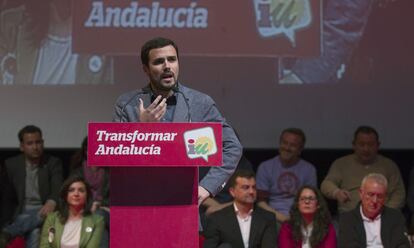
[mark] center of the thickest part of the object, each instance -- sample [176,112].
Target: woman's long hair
[321,219]
[63,204]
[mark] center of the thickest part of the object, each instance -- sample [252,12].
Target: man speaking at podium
[166,100]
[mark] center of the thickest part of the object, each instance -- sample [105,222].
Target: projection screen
[323,66]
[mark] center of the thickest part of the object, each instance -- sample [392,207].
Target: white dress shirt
[244,224]
[372,230]
[306,233]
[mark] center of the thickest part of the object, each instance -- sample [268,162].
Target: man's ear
[145,68]
[231,191]
[360,193]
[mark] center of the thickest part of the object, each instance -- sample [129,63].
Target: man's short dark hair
[365,130]
[155,43]
[240,173]
[28,129]
[297,131]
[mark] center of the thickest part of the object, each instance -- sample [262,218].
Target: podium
[154,179]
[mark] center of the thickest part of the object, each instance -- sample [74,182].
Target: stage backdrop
[269,64]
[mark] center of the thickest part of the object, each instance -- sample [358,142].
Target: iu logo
[276,17]
[200,143]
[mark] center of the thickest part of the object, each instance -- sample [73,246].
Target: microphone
[147,90]
[175,89]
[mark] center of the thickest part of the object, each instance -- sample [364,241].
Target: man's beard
[158,86]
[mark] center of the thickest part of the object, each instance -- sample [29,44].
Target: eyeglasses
[309,198]
[370,195]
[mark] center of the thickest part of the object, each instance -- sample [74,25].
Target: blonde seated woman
[73,225]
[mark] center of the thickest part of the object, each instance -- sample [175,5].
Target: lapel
[181,109]
[384,227]
[360,224]
[43,179]
[233,226]
[146,98]
[88,227]
[20,183]
[254,227]
[59,231]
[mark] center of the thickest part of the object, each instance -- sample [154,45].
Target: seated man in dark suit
[33,182]
[371,224]
[242,224]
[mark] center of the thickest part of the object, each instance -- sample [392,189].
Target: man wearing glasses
[371,224]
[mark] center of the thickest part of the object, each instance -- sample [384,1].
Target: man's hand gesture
[154,112]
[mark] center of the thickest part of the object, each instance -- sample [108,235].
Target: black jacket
[352,231]
[223,228]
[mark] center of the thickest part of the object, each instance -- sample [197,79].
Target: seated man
[346,173]
[279,178]
[222,199]
[371,224]
[241,224]
[34,181]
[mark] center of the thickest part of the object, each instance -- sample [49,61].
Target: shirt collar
[30,165]
[237,210]
[366,219]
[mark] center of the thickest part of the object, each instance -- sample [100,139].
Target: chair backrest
[18,242]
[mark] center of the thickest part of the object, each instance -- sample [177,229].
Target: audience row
[245,224]
[32,187]
[286,208]
[280,182]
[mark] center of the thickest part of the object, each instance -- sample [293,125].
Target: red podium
[154,179]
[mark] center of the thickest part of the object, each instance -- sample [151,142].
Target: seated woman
[310,222]
[97,177]
[73,225]
[98,180]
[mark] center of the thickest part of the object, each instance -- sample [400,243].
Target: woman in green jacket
[73,225]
